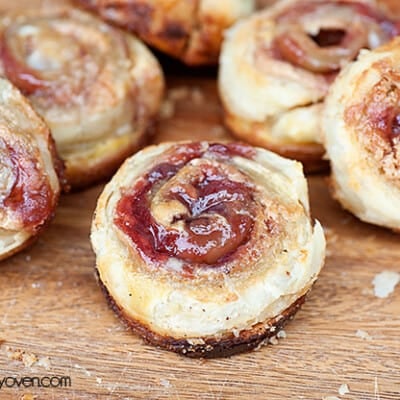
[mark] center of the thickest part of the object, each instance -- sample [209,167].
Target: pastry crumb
[281,334]
[363,334]
[28,396]
[44,362]
[385,283]
[165,382]
[330,398]
[27,358]
[343,389]
[99,380]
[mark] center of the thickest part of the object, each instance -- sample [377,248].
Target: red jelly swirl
[208,215]
[326,51]
[26,195]
[379,113]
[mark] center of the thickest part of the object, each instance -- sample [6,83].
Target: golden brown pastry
[277,66]
[190,30]
[392,6]
[206,249]
[29,185]
[362,136]
[96,87]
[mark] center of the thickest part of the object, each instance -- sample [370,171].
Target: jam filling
[210,216]
[29,196]
[379,113]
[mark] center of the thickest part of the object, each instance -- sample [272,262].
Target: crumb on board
[165,382]
[385,283]
[363,335]
[27,358]
[281,334]
[343,389]
[99,380]
[44,362]
[330,398]
[28,396]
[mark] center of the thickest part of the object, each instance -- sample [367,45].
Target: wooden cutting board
[52,310]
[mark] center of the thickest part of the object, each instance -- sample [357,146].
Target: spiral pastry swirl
[206,249]
[29,169]
[362,136]
[96,87]
[189,30]
[277,67]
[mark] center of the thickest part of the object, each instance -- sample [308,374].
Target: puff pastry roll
[362,136]
[190,30]
[29,169]
[206,249]
[96,87]
[277,66]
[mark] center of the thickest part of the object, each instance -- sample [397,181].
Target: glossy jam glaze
[210,214]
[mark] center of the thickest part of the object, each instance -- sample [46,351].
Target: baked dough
[362,136]
[277,66]
[97,88]
[190,30]
[206,249]
[29,169]
[392,6]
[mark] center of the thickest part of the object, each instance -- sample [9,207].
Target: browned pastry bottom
[210,347]
[310,154]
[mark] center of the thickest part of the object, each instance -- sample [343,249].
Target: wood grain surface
[52,309]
